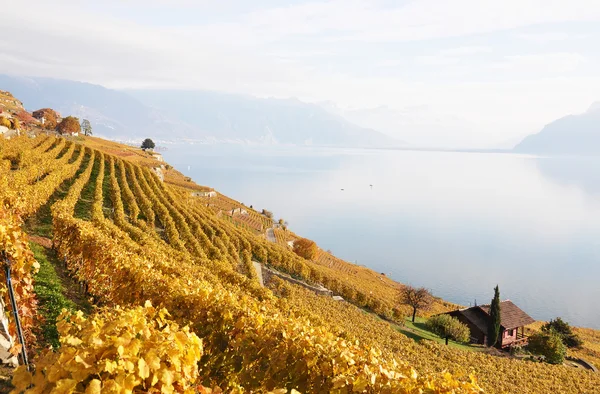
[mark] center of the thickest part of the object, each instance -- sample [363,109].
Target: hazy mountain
[422,125]
[245,118]
[572,134]
[113,114]
[199,115]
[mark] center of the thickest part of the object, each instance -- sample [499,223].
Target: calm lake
[456,223]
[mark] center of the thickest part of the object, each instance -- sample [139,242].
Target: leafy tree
[416,298]
[148,144]
[494,326]
[564,331]
[268,214]
[283,224]
[448,327]
[49,116]
[548,344]
[86,127]
[69,125]
[305,248]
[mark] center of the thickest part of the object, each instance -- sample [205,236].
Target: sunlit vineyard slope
[135,242]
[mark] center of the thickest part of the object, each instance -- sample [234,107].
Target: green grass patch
[417,331]
[52,294]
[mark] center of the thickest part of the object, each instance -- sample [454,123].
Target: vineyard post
[13,303]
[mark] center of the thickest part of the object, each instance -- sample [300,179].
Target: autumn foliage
[69,125]
[25,117]
[117,350]
[305,248]
[49,115]
[416,298]
[15,249]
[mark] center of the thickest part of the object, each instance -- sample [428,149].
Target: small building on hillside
[239,211]
[209,194]
[157,156]
[512,323]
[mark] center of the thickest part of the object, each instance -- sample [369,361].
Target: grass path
[55,290]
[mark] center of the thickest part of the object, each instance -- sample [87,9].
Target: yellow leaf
[152,360]
[73,341]
[79,360]
[130,382]
[110,366]
[21,378]
[167,377]
[144,370]
[360,384]
[94,387]
[110,386]
[65,386]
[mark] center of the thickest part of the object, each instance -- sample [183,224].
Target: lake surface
[456,223]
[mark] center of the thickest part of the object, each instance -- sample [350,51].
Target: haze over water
[456,223]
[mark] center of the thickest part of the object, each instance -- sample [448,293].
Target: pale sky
[465,72]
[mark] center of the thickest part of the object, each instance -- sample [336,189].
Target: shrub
[69,125]
[15,124]
[5,122]
[548,344]
[399,316]
[564,331]
[25,117]
[448,327]
[305,248]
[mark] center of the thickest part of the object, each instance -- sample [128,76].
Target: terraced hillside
[136,245]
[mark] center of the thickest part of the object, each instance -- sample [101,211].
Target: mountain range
[193,115]
[571,135]
[199,115]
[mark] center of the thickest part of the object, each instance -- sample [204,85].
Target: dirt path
[45,242]
[271,235]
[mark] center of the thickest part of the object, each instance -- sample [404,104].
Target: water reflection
[458,223]
[582,172]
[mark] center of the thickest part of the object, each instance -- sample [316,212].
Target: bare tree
[86,127]
[417,299]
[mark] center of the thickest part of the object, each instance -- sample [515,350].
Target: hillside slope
[129,238]
[112,113]
[572,134]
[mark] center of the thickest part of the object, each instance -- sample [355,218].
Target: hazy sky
[492,70]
